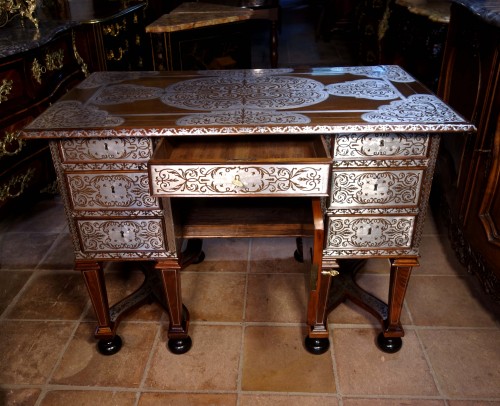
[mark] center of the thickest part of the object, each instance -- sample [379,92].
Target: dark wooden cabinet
[30,80]
[469,167]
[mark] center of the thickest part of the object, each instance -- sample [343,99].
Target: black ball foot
[317,346]
[389,344]
[111,346]
[179,345]
[200,258]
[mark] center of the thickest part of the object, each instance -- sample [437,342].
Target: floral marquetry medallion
[275,101]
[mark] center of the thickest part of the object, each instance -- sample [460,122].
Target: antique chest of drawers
[147,160]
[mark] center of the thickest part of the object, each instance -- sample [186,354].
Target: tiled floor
[247,339]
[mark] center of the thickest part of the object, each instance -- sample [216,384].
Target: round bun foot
[317,346]
[111,346]
[200,258]
[389,344]
[179,345]
[298,256]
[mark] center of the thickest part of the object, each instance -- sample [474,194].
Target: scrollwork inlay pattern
[226,180]
[82,150]
[121,235]
[370,232]
[375,188]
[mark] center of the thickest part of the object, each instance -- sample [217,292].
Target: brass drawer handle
[237,182]
[18,182]
[10,138]
[53,61]
[114,29]
[5,89]
[330,272]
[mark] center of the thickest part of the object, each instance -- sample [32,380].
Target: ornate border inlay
[375,188]
[229,180]
[133,149]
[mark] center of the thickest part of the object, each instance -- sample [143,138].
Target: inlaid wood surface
[274,101]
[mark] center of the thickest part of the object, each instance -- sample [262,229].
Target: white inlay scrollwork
[380,145]
[98,79]
[374,232]
[375,188]
[121,235]
[125,93]
[225,180]
[417,108]
[73,114]
[244,116]
[133,149]
[371,89]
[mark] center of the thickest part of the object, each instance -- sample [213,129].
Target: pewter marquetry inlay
[107,78]
[375,188]
[418,108]
[121,235]
[247,180]
[380,145]
[132,149]
[370,232]
[125,93]
[365,88]
[110,190]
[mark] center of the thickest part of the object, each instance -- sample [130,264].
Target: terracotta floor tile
[276,255]
[61,254]
[52,295]
[83,365]
[277,298]
[211,364]
[446,301]
[287,400]
[365,370]
[350,313]
[121,281]
[275,360]
[214,296]
[223,255]
[24,250]
[11,282]
[24,397]
[187,399]
[29,350]
[465,361]
[88,398]
[391,402]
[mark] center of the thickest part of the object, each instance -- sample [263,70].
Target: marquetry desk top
[246,102]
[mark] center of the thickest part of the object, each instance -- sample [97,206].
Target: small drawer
[386,189]
[369,233]
[121,235]
[249,166]
[106,150]
[110,190]
[380,146]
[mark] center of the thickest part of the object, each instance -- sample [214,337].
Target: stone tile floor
[247,339]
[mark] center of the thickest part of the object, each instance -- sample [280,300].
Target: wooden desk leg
[92,271]
[317,341]
[390,339]
[179,341]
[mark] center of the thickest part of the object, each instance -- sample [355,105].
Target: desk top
[246,102]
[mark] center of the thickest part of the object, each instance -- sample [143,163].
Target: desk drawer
[245,166]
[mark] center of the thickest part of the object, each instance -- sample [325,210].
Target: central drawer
[240,166]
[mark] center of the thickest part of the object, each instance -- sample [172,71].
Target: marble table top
[192,15]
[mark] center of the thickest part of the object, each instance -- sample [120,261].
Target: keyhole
[112,189]
[370,231]
[123,234]
[381,143]
[106,146]
[375,186]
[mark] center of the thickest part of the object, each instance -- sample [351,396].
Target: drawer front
[121,235]
[368,233]
[14,94]
[217,180]
[384,146]
[106,149]
[110,190]
[375,188]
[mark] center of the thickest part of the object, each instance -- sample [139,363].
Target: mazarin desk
[147,160]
